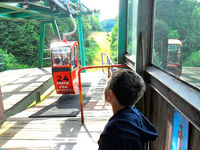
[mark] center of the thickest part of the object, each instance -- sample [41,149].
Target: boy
[127,129]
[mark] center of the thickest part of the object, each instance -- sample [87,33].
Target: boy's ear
[111,94]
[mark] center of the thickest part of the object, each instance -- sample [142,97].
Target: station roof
[38,10]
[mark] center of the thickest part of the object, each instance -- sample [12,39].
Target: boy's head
[127,86]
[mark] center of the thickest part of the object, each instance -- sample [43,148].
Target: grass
[103,41]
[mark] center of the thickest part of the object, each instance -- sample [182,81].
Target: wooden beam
[176,92]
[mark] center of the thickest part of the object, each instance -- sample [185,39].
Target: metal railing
[108,61]
[80,86]
[47,58]
[1,62]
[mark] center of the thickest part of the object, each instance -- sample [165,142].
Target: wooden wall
[160,112]
[194,140]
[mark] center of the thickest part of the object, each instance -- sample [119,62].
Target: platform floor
[191,75]
[17,84]
[20,132]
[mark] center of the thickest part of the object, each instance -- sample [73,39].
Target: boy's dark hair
[127,85]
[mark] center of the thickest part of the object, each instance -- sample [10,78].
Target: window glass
[176,38]
[74,57]
[61,56]
[132,26]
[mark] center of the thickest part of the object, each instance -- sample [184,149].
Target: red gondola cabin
[64,63]
[174,58]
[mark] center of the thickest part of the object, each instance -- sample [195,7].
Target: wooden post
[1,106]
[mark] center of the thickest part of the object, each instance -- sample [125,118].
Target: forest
[108,24]
[178,19]
[19,40]
[175,19]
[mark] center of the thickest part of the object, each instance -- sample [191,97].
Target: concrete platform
[22,87]
[191,75]
[20,132]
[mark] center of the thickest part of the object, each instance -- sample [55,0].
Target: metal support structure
[46,3]
[80,87]
[55,28]
[122,40]
[42,38]
[41,49]
[81,40]
[48,11]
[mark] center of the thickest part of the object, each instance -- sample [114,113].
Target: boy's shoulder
[129,123]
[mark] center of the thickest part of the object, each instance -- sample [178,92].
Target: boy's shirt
[127,129]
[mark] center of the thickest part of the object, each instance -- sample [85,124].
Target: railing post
[80,87]
[102,63]
[41,48]
[108,72]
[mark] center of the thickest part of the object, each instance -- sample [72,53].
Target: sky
[108,8]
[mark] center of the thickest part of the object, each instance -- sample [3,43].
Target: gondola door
[75,68]
[74,65]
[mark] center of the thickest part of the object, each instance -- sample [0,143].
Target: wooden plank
[194,138]
[21,132]
[22,87]
[177,93]
[50,145]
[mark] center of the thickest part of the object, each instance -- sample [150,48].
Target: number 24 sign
[62,78]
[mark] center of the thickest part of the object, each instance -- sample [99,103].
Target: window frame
[127,50]
[130,59]
[159,79]
[177,92]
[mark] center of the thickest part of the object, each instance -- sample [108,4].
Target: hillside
[102,40]
[108,24]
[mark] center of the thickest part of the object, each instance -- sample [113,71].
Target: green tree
[21,38]
[10,62]
[91,49]
[161,42]
[173,34]
[182,16]
[114,42]
[95,23]
[193,60]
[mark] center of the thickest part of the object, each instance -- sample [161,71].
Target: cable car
[64,63]
[174,58]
